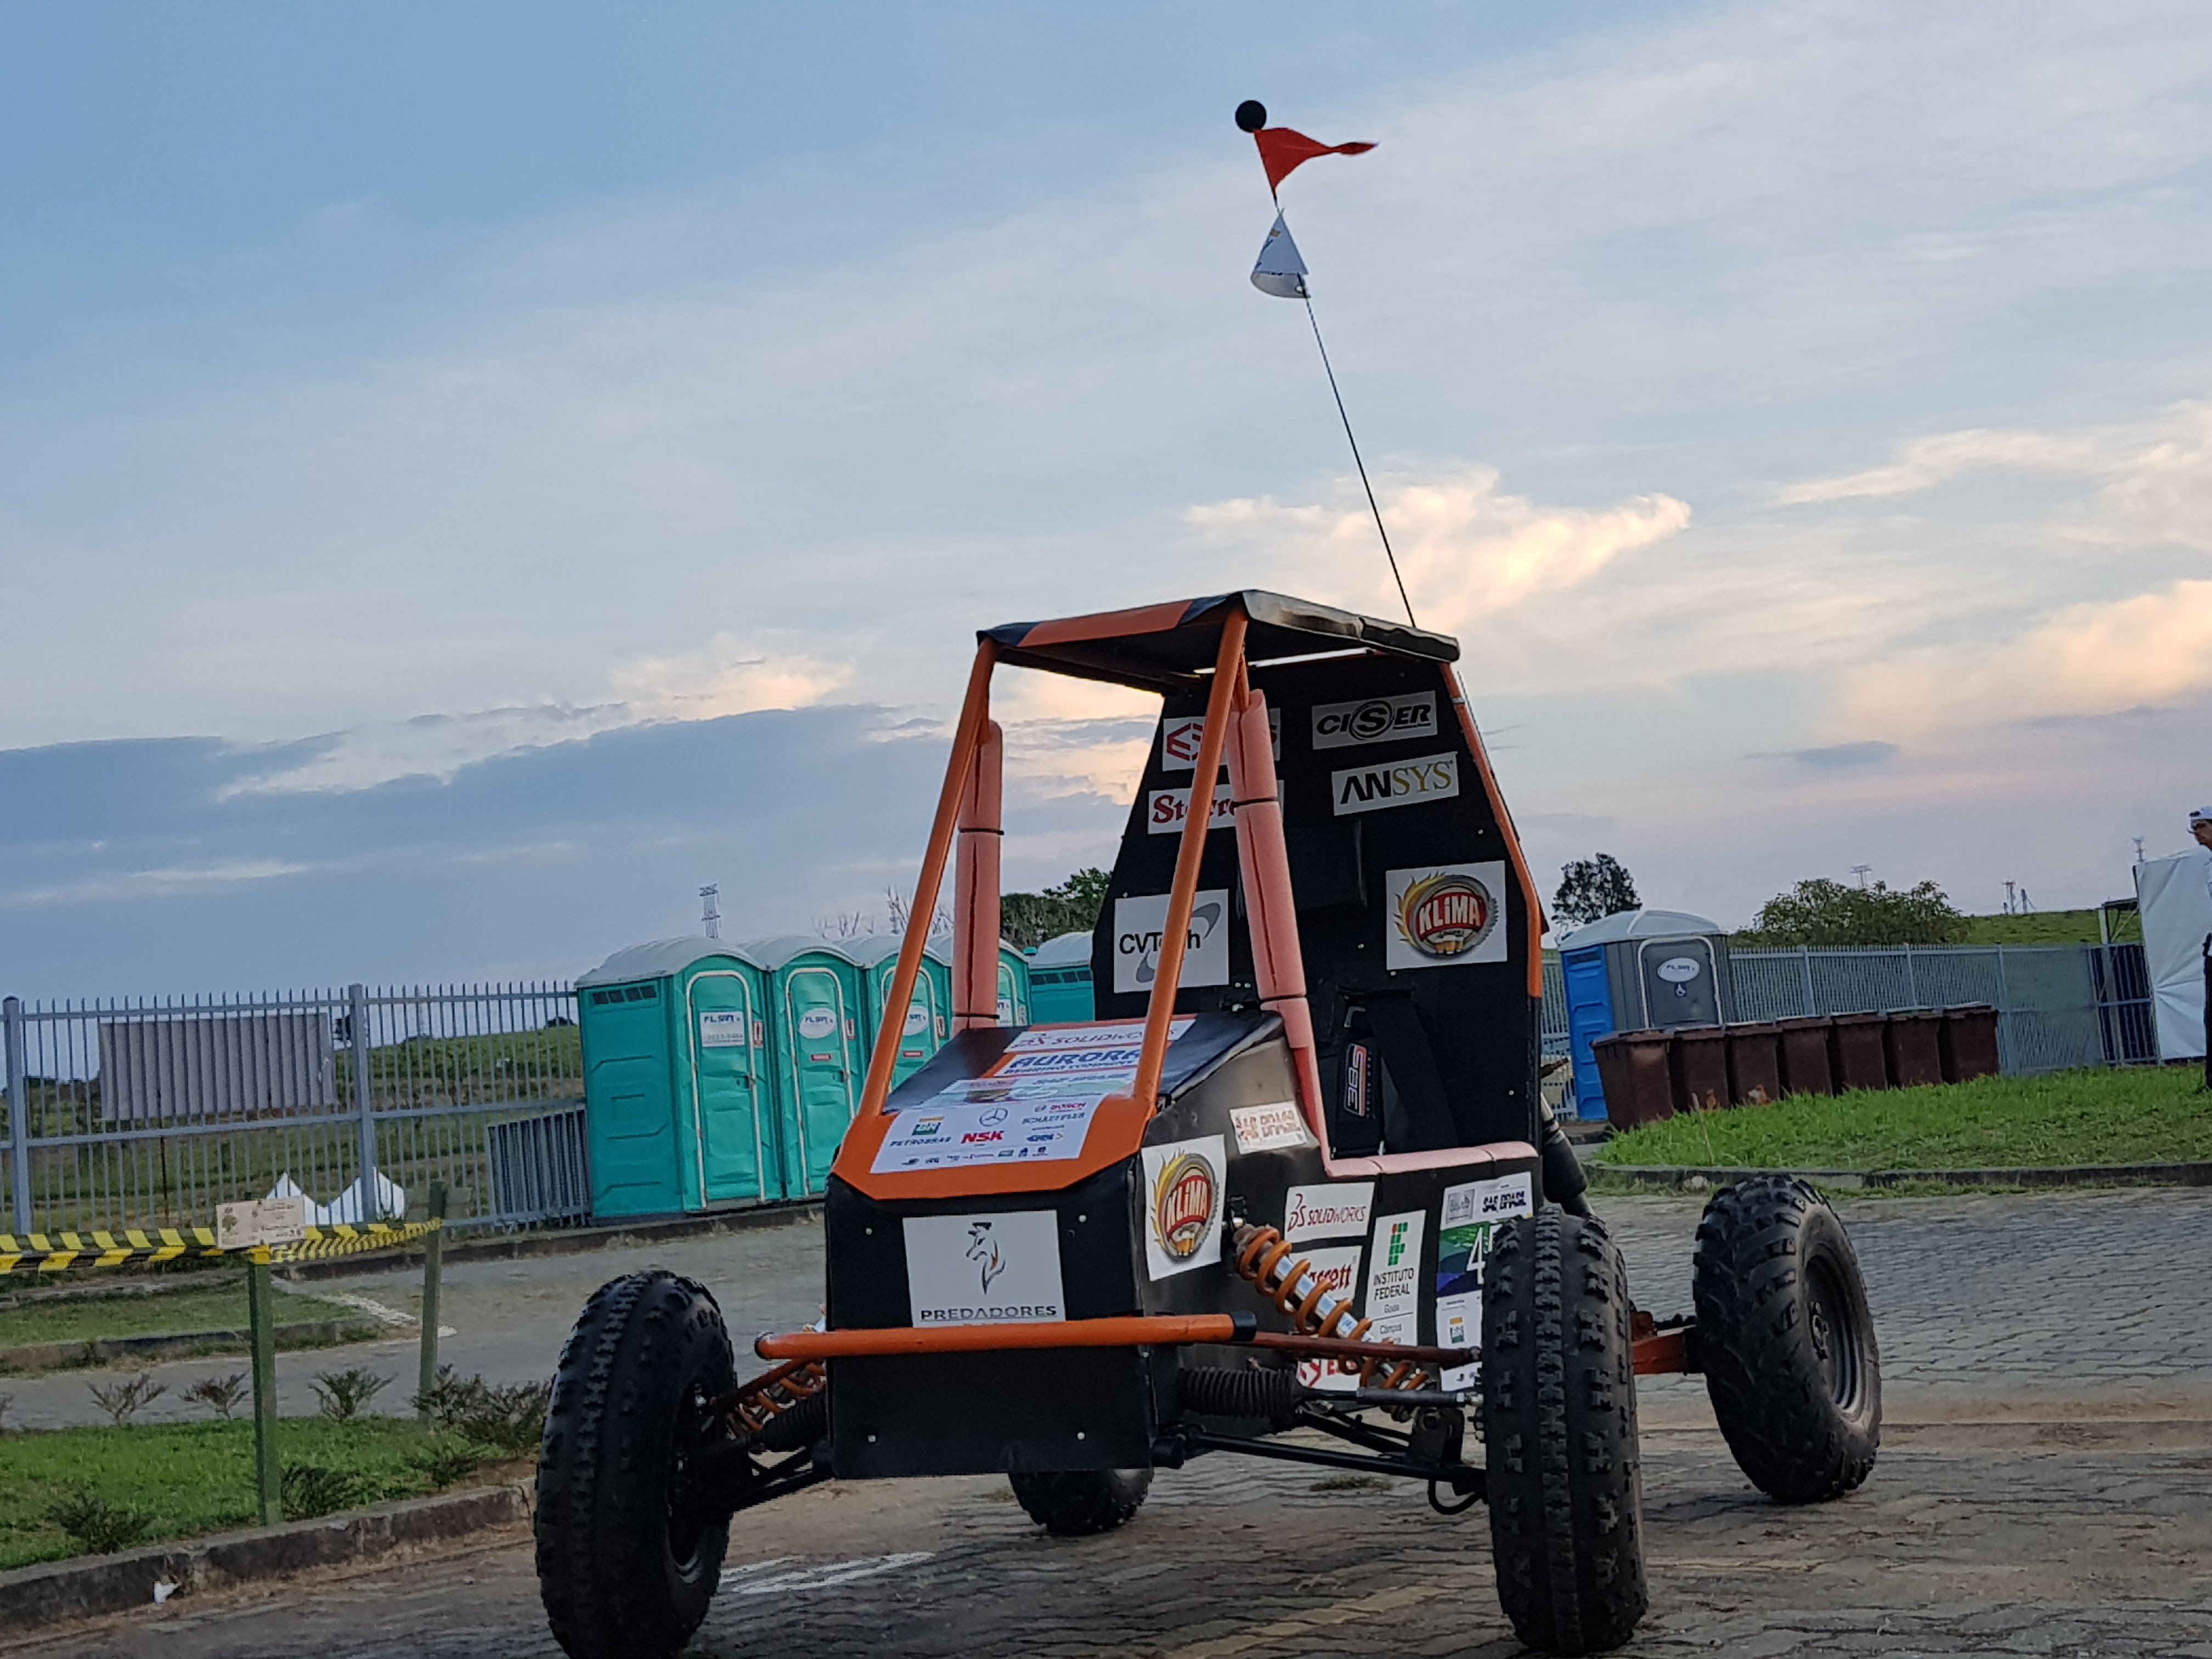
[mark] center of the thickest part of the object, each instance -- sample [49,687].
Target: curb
[2080,1174]
[56,1591]
[573,1240]
[182,1344]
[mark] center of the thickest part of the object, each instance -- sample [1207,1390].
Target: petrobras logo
[1166,809]
[1398,783]
[925,1129]
[1375,720]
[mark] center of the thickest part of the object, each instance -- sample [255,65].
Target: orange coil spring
[759,1407]
[1264,1256]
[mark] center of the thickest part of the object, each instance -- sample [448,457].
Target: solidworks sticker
[1338,1211]
[999,1269]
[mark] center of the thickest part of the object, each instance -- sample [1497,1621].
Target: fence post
[1911,982]
[2007,1061]
[364,1098]
[261,1317]
[19,1114]
[1805,967]
[433,1257]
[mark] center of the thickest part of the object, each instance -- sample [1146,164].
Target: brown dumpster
[1855,1051]
[1806,1068]
[1638,1083]
[1912,1044]
[1701,1068]
[1754,1064]
[1969,1042]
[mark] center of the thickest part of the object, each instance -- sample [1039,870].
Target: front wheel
[1558,1429]
[1077,1503]
[1786,1340]
[629,1540]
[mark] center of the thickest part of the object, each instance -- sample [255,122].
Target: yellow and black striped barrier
[53,1253]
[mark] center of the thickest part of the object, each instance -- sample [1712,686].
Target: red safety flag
[1282,150]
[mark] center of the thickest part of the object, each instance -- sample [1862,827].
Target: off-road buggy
[1298,1176]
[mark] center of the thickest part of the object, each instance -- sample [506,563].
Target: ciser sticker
[1182,1205]
[1138,923]
[1000,1269]
[1444,916]
[1394,783]
[1375,720]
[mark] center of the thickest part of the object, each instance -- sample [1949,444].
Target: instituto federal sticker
[1394,1277]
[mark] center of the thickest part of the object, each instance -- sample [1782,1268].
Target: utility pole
[2008,898]
[1862,870]
[713,914]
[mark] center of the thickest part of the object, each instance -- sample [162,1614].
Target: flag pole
[1372,505]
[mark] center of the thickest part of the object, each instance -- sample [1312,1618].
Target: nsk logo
[973,1136]
[1402,783]
[1375,720]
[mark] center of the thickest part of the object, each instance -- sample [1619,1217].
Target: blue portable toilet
[1640,970]
[819,997]
[928,1019]
[678,1096]
[1013,986]
[1060,982]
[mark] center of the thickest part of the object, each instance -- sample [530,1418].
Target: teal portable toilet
[928,1019]
[679,1099]
[1060,982]
[819,1001]
[1013,986]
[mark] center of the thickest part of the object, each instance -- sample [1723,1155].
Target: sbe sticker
[1446,915]
[1183,1192]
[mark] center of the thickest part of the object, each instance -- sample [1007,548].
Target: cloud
[2099,658]
[1466,550]
[1831,757]
[1926,462]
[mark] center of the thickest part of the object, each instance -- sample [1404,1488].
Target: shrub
[444,1462]
[309,1490]
[343,1394]
[220,1395]
[96,1526]
[122,1400]
[1828,914]
[510,1419]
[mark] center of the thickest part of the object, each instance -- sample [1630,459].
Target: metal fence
[145,1114]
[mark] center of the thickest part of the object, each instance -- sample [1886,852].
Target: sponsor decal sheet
[1034,1105]
[1268,1127]
[1183,1205]
[1470,1216]
[1444,916]
[1139,923]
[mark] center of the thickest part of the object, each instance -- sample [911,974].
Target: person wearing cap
[2200,826]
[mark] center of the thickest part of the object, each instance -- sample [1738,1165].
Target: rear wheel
[1786,1340]
[1075,1502]
[1559,1426]
[629,1538]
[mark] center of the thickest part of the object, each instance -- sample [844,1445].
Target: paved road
[2046,1488]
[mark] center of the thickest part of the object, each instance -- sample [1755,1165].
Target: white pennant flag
[1279,270]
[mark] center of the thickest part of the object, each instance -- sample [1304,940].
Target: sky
[471,476]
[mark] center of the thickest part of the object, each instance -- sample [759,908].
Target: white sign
[1337,1266]
[1182,1201]
[261,1221]
[816,1024]
[721,1028]
[1180,736]
[1139,925]
[1443,915]
[1459,1325]
[917,1020]
[1678,970]
[1394,783]
[1000,1269]
[1375,720]
[1167,809]
[1333,1212]
[1393,1278]
[1488,1200]
[1104,1034]
[1264,1128]
[946,1132]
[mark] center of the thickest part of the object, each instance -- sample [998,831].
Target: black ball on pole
[1251,115]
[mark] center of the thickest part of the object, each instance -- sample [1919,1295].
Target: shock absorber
[1263,1255]
[761,1408]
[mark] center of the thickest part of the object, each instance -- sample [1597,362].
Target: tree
[1028,920]
[1824,914]
[1592,888]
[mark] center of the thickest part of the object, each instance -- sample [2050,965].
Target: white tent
[2176,895]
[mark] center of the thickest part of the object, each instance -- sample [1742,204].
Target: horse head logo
[983,1250]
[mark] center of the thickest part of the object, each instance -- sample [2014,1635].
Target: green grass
[2143,1114]
[2038,928]
[189,1479]
[216,1308]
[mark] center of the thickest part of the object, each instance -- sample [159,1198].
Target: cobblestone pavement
[2045,1487]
